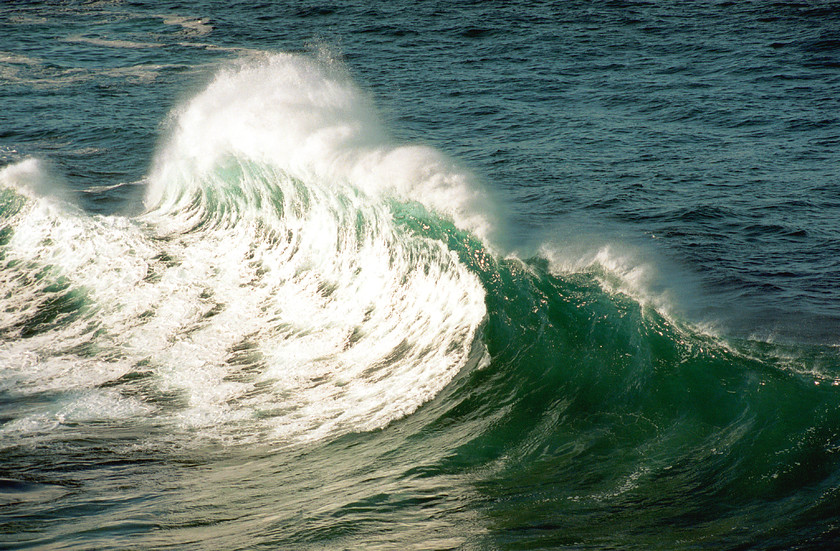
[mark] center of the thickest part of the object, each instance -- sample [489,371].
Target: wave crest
[267,286]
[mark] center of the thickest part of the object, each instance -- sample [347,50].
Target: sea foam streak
[267,286]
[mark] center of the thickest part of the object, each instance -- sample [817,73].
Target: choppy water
[439,276]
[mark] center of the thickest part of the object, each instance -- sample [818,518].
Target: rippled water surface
[491,275]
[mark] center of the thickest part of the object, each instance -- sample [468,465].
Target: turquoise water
[485,276]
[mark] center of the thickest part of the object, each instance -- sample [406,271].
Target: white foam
[616,271]
[306,117]
[650,280]
[268,286]
[19,59]
[73,407]
[111,43]
[197,26]
[28,175]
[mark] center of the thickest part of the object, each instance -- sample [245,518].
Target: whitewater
[261,297]
[266,280]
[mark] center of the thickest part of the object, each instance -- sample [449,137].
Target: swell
[296,277]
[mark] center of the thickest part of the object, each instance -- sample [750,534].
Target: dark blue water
[439,276]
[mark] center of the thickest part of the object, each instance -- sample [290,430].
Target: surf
[296,275]
[266,285]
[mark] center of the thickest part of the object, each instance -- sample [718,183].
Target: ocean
[420,275]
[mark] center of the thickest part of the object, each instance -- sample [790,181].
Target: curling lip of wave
[305,117]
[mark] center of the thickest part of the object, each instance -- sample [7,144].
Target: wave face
[604,419]
[324,322]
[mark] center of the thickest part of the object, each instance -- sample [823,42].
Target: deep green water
[475,276]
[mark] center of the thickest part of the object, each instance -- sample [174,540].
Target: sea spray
[267,292]
[651,140]
[307,118]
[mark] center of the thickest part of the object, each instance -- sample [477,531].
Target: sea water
[490,275]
